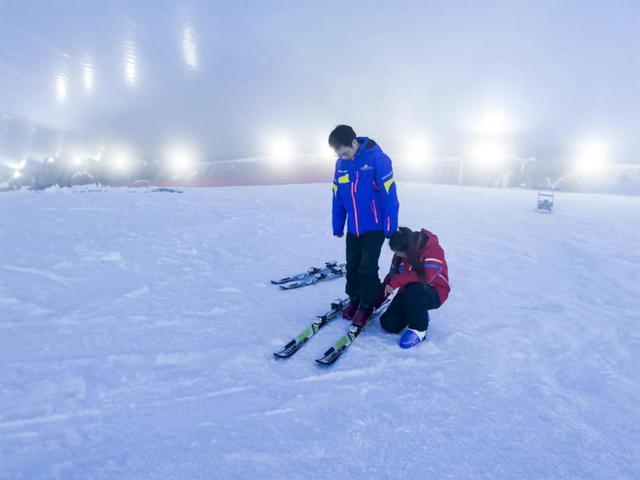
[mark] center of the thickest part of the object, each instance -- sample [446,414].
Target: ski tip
[328,358]
[326,361]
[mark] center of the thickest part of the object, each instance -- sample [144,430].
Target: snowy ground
[136,333]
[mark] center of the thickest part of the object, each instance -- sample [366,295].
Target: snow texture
[137,331]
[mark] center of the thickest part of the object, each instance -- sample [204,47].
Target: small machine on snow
[545,201]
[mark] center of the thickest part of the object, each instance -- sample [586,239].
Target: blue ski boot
[411,338]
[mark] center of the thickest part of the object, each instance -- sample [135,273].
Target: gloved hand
[388,290]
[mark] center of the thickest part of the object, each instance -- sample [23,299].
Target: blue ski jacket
[364,192]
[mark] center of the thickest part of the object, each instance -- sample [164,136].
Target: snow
[137,332]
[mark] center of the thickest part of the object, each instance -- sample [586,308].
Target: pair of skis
[343,343]
[330,271]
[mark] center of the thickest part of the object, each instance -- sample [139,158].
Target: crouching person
[419,270]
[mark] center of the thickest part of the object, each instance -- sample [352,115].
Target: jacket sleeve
[432,268]
[339,213]
[387,185]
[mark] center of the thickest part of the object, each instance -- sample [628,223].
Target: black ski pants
[410,307]
[363,253]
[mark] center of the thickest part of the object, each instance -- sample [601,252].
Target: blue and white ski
[310,273]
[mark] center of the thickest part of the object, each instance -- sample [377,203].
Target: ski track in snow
[137,331]
[42,273]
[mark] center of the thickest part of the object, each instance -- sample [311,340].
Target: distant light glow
[592,157]
[181,158]
[489,154]
[417,152]
[281,151]
[121,159]
[61,86]
[51,159]
[130,63]
[17,174]
[494,122]
[88,74]
[325,150]
[77,155]
[189,46]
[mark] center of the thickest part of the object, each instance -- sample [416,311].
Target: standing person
[420,271]
[364,195]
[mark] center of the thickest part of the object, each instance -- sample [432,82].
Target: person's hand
[339,235]
[388,290]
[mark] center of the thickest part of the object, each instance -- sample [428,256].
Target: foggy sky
[562,70]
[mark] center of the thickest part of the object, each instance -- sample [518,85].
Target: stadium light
[417,152]
[121,160]
[280,151]
[181,158]
[494,122]
[489,154]
[325,150]
[592,157]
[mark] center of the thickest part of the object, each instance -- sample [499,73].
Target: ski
[309,273]
[322,276]
[344,342]
[294,345]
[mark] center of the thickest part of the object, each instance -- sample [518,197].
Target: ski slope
[137,331]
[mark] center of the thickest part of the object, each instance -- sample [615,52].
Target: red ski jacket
[435,267]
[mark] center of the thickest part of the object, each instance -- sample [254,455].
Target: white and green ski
[344,342]
[295,344]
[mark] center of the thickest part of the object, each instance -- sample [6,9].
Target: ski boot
[411,338]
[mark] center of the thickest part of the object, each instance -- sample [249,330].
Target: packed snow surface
[137,331]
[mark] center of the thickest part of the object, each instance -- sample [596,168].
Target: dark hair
[342,136]
[404,240]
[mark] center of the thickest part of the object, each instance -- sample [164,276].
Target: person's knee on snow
[392,323]
[418,299]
